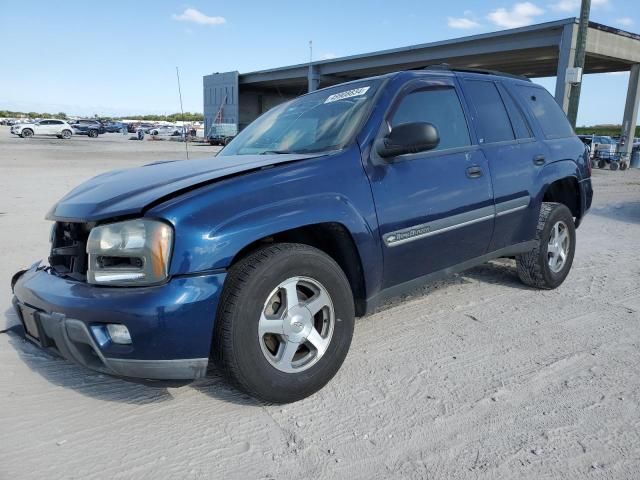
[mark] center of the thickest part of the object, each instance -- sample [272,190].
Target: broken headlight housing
[129,253]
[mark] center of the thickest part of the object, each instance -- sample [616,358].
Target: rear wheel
[285,322]
[614,165]
[602,163]
[548,264]
[26,133]
[66,134]
[93,133]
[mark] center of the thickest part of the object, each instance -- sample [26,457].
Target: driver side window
[439,106]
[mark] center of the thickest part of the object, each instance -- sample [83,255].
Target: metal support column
[313,78]
[581,50]
[630,119]
[566,59]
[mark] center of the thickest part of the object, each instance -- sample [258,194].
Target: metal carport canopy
[533,51]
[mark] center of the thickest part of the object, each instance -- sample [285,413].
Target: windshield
[320,121]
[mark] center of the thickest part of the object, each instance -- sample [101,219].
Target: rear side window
[519,123]
[439,106]
[552,120]
[493,121]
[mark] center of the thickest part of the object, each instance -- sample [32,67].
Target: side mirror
[409,138]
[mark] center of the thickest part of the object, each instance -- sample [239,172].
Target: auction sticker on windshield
[346,94]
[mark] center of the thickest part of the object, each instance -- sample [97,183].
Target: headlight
[134,252]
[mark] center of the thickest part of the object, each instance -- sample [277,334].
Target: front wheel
[26,133]
[548,264]
[93,133]
[285,322]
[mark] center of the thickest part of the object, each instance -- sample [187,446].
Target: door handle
[539,160]
[474,171]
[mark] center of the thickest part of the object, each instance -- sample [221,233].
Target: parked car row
[89,127]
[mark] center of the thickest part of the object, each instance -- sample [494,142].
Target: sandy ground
[475,377]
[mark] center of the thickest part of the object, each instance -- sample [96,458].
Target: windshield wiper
[277,152]
[302,150]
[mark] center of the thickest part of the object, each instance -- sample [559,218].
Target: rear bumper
[171,325]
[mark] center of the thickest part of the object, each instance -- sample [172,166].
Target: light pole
[581,47]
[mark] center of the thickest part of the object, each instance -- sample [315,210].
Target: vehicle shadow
[497,272]
[623,212]
[66,374]
[63,373]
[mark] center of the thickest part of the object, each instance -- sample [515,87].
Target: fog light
[119,333]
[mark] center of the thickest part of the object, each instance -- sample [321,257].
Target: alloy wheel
[558,246]
[296,324]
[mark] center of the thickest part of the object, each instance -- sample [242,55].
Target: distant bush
[604,130]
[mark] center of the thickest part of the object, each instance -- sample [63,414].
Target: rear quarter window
[547,112]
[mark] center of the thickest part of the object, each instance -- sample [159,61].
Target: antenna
[184,131]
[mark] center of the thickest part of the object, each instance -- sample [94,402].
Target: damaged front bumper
[171,325]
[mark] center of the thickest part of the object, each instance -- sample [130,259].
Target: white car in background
[165,130]
[49,126]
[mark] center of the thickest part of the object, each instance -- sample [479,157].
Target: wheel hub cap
[296,324]
[558,246]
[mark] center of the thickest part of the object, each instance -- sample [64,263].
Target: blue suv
[258,260]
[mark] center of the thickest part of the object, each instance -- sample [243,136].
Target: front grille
[69,249]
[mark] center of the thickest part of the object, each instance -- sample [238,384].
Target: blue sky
[120,57]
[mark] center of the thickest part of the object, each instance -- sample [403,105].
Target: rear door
[56,127]
[435,209]
[511,149]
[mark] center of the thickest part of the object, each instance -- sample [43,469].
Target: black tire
[533,267]
[237,347]
[602,163]
[66,134]
[26,133]
[623,165]
[93,133]
[614,165]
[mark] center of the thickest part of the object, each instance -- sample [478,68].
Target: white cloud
[466,22]
[520,15]
[462,22]
[196,16]
[625,21]
[574,5]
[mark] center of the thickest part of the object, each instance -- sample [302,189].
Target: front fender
[233,235]
[214,223]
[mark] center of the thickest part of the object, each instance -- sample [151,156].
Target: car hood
[128,192]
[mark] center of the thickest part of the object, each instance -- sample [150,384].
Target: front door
[42,127]
[435,209]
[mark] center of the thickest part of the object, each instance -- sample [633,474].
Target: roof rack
[447,67]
